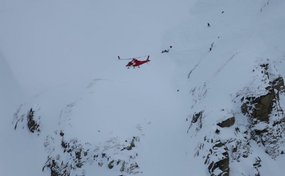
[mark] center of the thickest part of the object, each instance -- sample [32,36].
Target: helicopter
[135,62]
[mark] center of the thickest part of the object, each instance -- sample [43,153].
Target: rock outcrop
[218,160]
[32,124]
[259,120]
[227,123]
[27,120]
[261,107]
[69,156]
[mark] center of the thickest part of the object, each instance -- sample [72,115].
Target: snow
[60,58]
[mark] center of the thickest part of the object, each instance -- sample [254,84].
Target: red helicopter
[135,62]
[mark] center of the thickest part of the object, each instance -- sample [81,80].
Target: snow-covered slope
[195,110]
[236,86]
[10,95]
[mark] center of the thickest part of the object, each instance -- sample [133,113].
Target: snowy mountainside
[212,105]
[83,111]
[237,87]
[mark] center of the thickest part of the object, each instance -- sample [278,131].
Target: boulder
[227,123]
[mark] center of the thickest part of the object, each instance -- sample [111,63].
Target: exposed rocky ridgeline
[259,120]
[266,116]
[70,156]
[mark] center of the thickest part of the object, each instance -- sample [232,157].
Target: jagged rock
[32,124]
[270,138]
[278,84]
[263,107]
[131,145]
[58,168]
[266,108]
[265,127]
[196,119]
[260,107]
[28,120]
[197,116]
[74,156]
[111,164]
[222,164]
[218,160]
[227,123]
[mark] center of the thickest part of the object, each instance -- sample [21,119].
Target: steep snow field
[65,53]
[60,58]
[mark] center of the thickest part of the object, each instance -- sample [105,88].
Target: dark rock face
[73,156]
[27,120]
[266,108]
[264,127]
[131,145]
[258,107]
[70,156]
[111,164]
[227,123]
[218,160]
[220,153]
[57,168]
[222,164]
[197,116]
[77,153]
[32,124]
[261,107]
[196,119]
[278,84]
